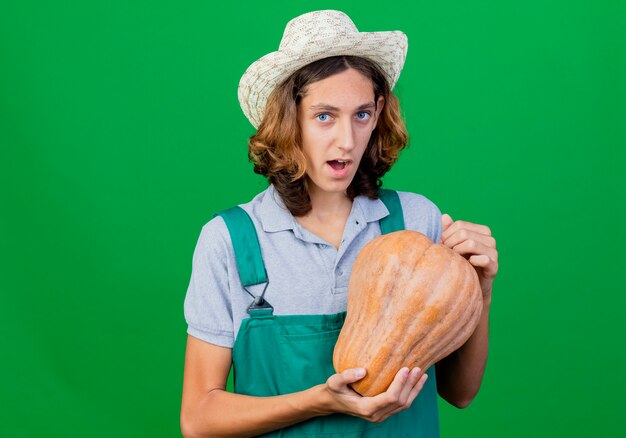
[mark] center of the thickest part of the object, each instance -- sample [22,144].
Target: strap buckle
[259,302]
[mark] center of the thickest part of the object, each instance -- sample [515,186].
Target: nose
[345,136]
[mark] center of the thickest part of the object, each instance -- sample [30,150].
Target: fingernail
[360,372]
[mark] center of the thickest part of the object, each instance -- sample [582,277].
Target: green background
[121,134]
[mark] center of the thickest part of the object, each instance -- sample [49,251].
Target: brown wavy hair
[276,151]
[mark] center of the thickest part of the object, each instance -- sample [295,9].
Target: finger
[469,248]
[393,391]
[381,402]
[415,390]
[458,225]
[411,381]
[409,385]
[464,234]
[489,266]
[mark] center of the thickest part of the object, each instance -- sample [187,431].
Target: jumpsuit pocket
[306,358]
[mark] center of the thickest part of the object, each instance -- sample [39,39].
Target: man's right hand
[399,396]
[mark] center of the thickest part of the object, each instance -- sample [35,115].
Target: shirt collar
[275,216]
[372,210]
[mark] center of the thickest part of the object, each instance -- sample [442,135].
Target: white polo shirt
[307,275]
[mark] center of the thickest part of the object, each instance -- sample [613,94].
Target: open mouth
[338,164]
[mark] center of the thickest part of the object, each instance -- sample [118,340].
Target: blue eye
[323,117]
[362,115]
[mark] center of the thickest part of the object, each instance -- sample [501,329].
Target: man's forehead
[322,106]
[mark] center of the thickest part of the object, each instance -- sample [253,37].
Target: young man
[268,291]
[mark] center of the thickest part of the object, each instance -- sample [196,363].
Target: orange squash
[411,302]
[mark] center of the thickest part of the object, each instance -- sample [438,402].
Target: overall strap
[246,246]
[248,256]
[395,220]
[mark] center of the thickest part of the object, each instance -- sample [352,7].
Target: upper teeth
[342,161]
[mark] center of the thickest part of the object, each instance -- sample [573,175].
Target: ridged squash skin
[411,302]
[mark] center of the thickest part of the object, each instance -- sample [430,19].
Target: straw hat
[312,36]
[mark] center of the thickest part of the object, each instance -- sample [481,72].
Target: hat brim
[387,49]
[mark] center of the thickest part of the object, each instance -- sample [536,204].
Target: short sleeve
[208,309]
[421,214]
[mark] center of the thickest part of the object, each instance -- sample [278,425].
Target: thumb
[352,375]
[340,382]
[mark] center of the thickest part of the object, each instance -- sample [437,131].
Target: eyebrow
[327,107]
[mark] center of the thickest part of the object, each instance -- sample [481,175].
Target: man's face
[337,116]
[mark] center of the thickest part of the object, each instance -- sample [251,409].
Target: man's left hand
[477,245]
